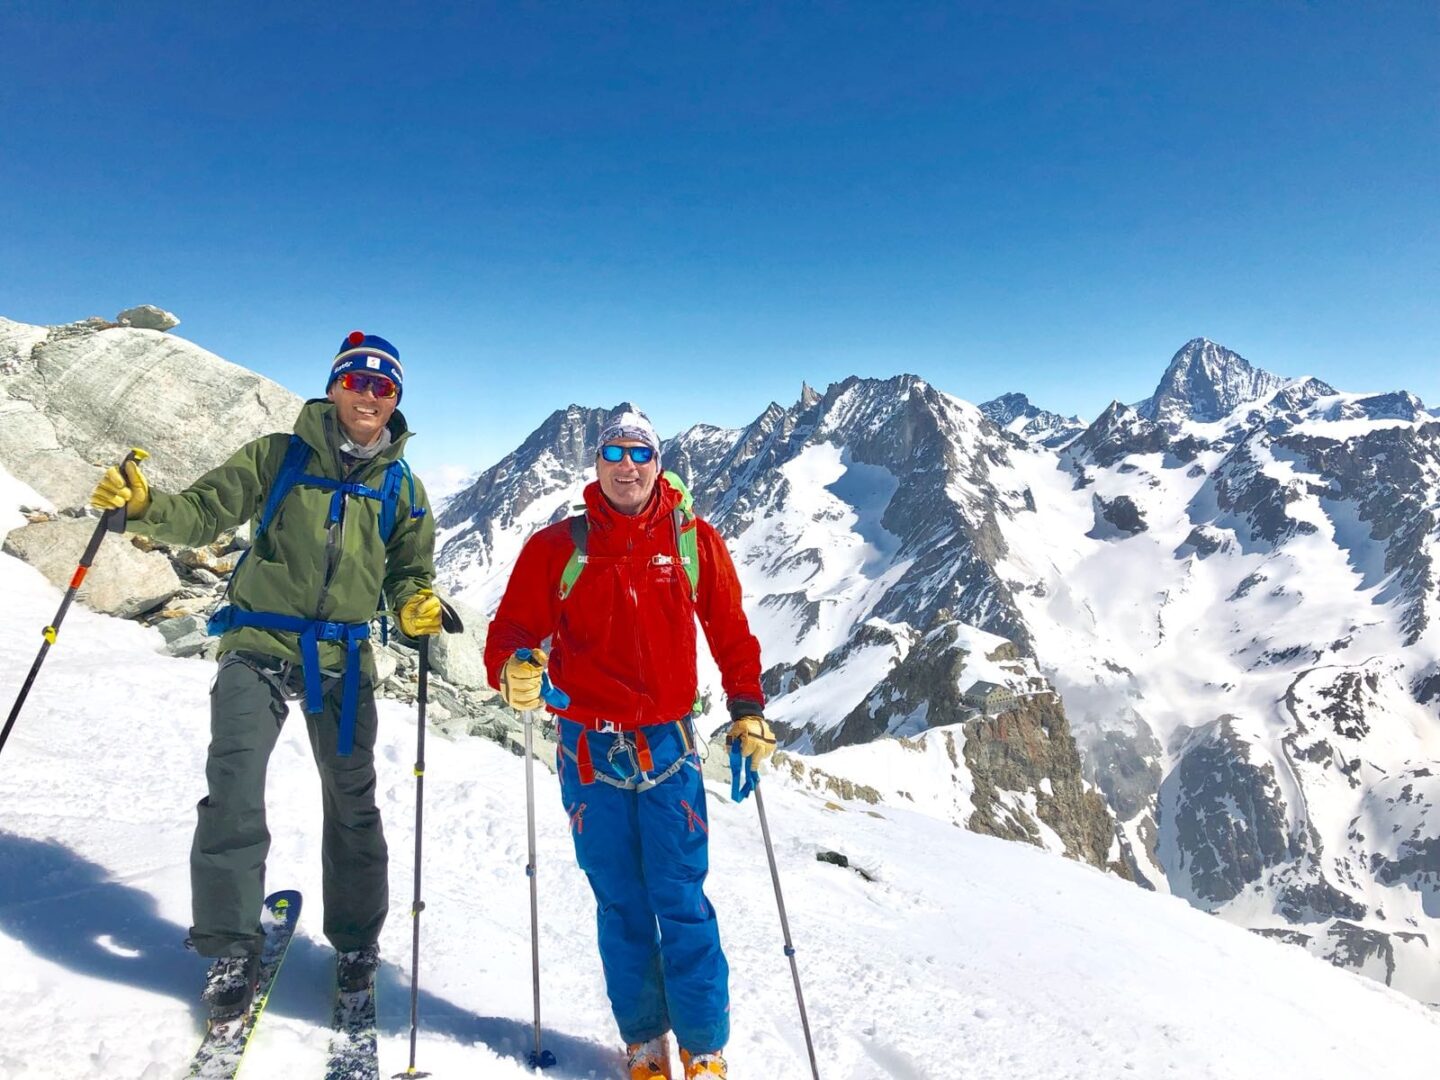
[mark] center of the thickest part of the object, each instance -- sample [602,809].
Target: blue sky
[698,206]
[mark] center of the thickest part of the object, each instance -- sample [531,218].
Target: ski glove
[419,615]
[520,680]
[757,741]
[130,491]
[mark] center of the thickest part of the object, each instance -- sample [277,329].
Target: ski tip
[285,902]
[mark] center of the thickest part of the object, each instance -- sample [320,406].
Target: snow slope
[965,957]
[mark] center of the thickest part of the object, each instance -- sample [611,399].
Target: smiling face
[626,485]
[362,415]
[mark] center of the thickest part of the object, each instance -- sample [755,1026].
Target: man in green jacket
[337,520]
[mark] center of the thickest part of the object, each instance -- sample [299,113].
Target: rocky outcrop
[1224,815]
[460,658]
[1030,749]
[1116,518]
[74,398]
[123,581]
[147,317]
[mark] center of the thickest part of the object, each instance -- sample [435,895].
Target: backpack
[292,472]
[686,546]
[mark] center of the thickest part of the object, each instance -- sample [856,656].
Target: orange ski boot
[703,1066]
[650,1060]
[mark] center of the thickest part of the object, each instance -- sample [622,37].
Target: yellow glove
[419,615]
[757,741]
[520,680]
[130,491]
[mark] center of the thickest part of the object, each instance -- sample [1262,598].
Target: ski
[354,1053]
[223,1049]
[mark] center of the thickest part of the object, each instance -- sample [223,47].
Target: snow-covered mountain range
[1192,641]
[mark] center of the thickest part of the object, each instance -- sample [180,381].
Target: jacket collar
[318,425]
[663,501]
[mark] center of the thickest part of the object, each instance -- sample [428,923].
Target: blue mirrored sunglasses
[640,455]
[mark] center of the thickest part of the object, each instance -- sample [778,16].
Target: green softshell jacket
[302,565]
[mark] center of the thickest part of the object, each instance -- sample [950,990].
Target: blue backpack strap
[297,456]
[396,472]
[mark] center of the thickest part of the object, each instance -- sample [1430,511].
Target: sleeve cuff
[745,707]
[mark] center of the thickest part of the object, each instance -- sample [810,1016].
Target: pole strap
[744,777]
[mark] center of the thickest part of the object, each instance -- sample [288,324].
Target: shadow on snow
[71,912]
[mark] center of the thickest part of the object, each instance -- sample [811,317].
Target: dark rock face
[1042,427]
[1206,382]
[1316,901]
[1126,768]
[783,678]
[1120,513]
[1204,540]
[1117,433]
[1245,489]
[1353,946]
[1031,748]
[1227,814]
[1388,474]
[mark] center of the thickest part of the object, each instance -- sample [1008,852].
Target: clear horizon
[697,211]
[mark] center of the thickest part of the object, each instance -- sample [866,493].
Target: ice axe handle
[552,694]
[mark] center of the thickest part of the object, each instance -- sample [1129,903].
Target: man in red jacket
[623,648]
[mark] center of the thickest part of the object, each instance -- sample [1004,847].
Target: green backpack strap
[686,543]
[579,530]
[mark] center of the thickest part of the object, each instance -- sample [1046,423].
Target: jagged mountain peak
[1205,382]
[1007,407]
[1015,413]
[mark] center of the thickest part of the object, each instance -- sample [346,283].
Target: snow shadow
[72,912]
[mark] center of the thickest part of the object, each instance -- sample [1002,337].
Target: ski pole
[451,624]
[539,1058]
[752,783]
[110,521]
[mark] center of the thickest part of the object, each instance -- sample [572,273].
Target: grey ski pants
[248,706]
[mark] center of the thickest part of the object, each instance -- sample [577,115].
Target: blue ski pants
[646,852]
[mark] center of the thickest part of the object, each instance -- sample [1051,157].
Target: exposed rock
[460,658]
[817,779]
[147,317]
[1126,767]
[1116,517]
[1205,540]
[1030,749]
[1359,948]
[85,393]
[123,580]
[1206,382]
[1228,815]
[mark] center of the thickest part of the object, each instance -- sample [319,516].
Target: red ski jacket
[623,641]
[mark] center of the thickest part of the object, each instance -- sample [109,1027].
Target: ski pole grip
[552,694]
[115,519]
